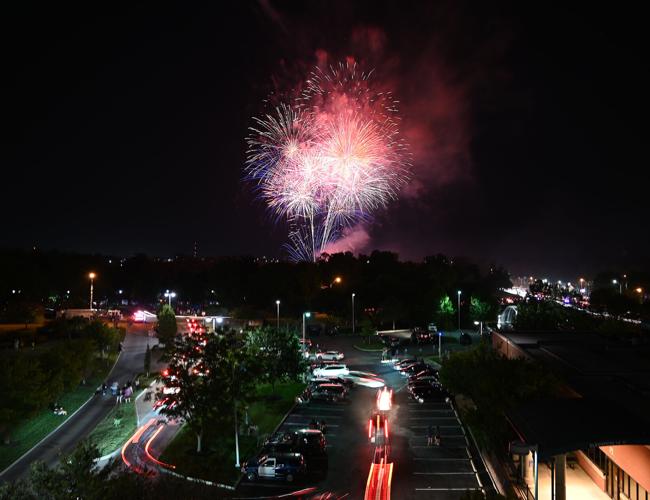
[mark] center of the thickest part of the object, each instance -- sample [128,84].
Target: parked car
[329,392]
[419,377]
[310,443]
[333,370]
[404,362]
[428,371]
[420,336]
[275,466]
[428,394]
[329,355]
[344,381]
[465,339]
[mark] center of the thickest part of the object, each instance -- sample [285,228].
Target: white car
[329,356]
[331,371]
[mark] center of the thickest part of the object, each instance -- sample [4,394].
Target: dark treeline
[385,287]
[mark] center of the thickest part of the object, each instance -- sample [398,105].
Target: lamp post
[92,278]
[620,287]
[353,294]
[169,296]
[277,305]
[639,290]
[304,316]
[459,292]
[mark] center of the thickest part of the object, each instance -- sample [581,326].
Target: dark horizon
[125,130]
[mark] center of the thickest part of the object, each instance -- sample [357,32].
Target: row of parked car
[423,381]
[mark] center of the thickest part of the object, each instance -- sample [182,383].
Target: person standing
[429,435]
[436,436]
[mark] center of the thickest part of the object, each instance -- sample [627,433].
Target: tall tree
[167,327]
[277,354]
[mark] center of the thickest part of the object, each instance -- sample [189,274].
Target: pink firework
[328,159]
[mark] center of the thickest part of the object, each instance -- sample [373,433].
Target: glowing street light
[92,276]
[338,280]
[169,296]
[277,305]
[620,287]
[304,316]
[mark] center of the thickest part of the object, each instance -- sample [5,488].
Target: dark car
[329,392]
[275,466]
[347,383]
[428,371]
[420,336]
[428,394]
[413,369]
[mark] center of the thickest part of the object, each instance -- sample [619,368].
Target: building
[598,435]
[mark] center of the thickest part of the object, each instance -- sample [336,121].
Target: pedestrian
[429,435]
[436,436]
[119,396]
[128,391]
[104,389]
[114,389]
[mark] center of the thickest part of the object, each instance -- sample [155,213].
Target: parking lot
[444,471]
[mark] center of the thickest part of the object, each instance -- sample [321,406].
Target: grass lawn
[25,435]
[112,432]
[217,462]
[30,432]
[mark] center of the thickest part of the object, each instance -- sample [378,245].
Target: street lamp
[277,305]
[620,288]
[304,315]
[338,280]
[459,292]
[639,290]
[353,294]
[169,296]
[92,278]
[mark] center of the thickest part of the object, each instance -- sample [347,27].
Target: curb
[61,424]
[197,480]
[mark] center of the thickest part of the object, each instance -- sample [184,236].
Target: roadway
[81,424]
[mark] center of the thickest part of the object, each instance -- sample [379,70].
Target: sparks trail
[329,158]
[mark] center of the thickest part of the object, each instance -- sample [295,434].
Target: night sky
[124,126]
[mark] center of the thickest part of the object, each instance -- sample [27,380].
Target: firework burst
[329,158]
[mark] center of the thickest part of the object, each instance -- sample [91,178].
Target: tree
[147,360]
[480,310]
[212,373]
[445,313]
[277,354]
[167,327]
[104,336]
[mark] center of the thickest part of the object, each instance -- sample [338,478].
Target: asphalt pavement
[82,423]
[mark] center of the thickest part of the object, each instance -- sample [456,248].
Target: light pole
[353,294]
[304,316]
[169,296]
[620,288]
[459,292]
[92,278]
[277,305]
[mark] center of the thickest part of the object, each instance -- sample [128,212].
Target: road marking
[441,447]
